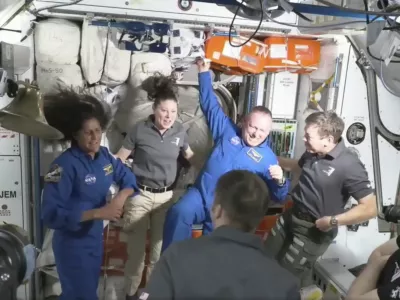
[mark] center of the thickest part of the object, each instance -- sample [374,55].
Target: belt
[304,216]
[155,190]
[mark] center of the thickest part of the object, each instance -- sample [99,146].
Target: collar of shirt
[335,152]
[238,236]
[76,151]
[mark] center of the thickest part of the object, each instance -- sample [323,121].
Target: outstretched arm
[216,118]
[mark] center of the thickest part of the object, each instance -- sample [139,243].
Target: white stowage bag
[144,65]
[57,41]
[98,51]
[51,76]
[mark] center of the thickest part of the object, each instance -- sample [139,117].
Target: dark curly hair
[67,111]
[160,88]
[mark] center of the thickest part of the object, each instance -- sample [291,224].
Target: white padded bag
[57,41]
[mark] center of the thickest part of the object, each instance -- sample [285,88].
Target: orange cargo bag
[249,58]
[292,54]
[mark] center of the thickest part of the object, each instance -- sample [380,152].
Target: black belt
[154,190]
[304,216]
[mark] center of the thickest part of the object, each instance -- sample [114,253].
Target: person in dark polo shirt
[380,279]
[155,145]
[328,175]
[230,263]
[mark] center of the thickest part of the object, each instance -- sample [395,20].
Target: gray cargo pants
[296,244]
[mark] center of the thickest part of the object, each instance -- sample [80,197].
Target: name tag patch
[108,169]
[235,140]
[90,179]
[257,157]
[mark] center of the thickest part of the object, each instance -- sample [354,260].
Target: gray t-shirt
[155,155]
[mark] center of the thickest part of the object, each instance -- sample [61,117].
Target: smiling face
[314,142]
[88,137]
[256,128]
[165,114]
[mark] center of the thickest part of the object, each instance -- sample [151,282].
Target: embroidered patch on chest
[108,169]
[235,140]
[329,171]
[90,179]
[176,141]
[257,157]
[54,174]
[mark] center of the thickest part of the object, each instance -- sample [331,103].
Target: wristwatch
[334,222]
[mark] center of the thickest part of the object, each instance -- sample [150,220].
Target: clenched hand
[276,172]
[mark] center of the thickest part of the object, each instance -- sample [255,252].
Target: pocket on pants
[136,213]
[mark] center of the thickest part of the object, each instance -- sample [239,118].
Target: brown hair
[329,124]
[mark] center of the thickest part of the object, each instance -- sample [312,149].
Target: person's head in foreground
[322,132]
[241,200]
[80,117]
[256,126]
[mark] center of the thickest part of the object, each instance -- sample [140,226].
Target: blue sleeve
[215,116]
[123,177]
[56,213]
[278,192]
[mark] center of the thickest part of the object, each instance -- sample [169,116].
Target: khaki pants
[144,211]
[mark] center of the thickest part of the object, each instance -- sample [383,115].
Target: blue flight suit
[76,183]
[230,153]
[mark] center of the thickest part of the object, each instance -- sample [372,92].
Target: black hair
[244,197]
[160,88]
[67,111]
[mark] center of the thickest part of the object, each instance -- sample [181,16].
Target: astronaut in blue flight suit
[75,191]
[242,148]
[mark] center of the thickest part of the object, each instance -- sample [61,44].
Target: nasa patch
[90,179]
[235,140]
[254,155]
[54,174]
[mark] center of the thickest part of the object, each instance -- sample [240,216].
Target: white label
[229,51]
[216,55]
[278,51]
[301,47]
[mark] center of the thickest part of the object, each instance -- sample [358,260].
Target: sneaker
[311,292]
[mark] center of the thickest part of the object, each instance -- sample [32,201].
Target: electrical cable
[369,22]
[269,18]
[253,34]
[384,83]
[311,27]
[358,11]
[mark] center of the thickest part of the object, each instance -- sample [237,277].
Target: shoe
[311,292]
